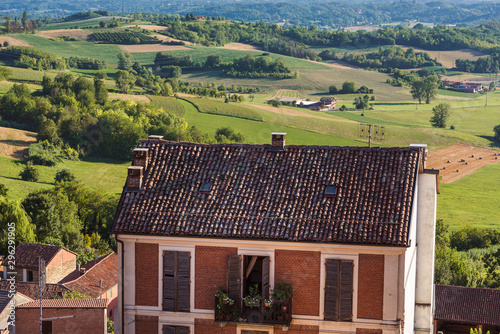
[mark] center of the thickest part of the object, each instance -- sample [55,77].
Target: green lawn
[106,175]
[471,200]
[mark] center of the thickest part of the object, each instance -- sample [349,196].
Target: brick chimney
[278,141]
[155,138]
[134,180]
[141,157]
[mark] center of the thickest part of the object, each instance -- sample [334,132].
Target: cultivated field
[447,58]
[459,160]
[14,143]
[13,41]
[135,98]
[151,48]
[241,47]
[78,34]
[147,27]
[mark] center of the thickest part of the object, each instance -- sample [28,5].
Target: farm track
[292,112]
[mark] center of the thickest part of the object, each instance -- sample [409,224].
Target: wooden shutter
[176,281]
[182,330]
[168,329]
[346,269]
[265,277]
[234,277]
[183,277]
[331,290]
[169,286]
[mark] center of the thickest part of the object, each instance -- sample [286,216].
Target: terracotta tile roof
[67,303]
[32,289]
[467,305]
[261,193]
[101,275]
[27,254]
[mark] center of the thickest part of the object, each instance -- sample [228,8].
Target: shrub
[496,130]
[30,173]
[64,175]
[3,190]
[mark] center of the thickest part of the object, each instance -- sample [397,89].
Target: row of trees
[17,26]
[393,56]
[349,87]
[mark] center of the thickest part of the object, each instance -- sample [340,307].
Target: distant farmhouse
[324,104]
[466,87]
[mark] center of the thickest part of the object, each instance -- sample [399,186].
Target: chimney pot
[141,157]
[278,140]
[134,180]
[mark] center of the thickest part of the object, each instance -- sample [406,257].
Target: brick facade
[297,329]
[146,324]
[210,273]
[146,274]
[206,326]
[371,286]
[302,270]
[86,321]
[368,331]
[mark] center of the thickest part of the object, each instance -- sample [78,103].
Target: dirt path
[14,143]
[293,112]
[459,160]
[241,47]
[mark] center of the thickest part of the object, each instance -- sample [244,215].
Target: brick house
[350,229]
[8,302]
[459,308]
[59,262]
[89,316]
[97,279]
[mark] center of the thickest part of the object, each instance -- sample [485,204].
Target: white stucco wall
[426,233]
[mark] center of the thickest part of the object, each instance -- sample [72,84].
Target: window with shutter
[338,290]
[176,281]
[168,329]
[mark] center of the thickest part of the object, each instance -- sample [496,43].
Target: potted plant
[282,291]
[253,298]
[223,298]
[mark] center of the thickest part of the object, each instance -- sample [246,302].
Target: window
[176,281]
[30,276]
[46,327]
[167,329]
[205,188]
[338,290]
[246,271]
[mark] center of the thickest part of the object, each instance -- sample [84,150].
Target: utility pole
[372,132]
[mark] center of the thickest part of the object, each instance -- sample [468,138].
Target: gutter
[122,285]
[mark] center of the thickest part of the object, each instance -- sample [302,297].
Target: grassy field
[232,109]
[471,200]
[106,52]
[168,103]
[108,176]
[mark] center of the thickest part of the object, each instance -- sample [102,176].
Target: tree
[64,175]
[333,89]
[102,24]
[124,81]
[417,89]
[430,87]
[7,24]
[348,87]
[492,86]
[29,173]
[6,44]
[124,60]
[496,130]
[213,61]
[24,20]
[4,73]
[440,115]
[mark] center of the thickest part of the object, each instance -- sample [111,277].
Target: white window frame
[264,328]
[349,257]
[264,253]
[167,321]
[191,250]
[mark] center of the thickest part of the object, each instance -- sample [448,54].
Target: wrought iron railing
[278,312]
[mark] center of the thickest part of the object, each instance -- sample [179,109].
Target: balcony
[279,312]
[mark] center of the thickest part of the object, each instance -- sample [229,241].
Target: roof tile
[262,194]
[67,303]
